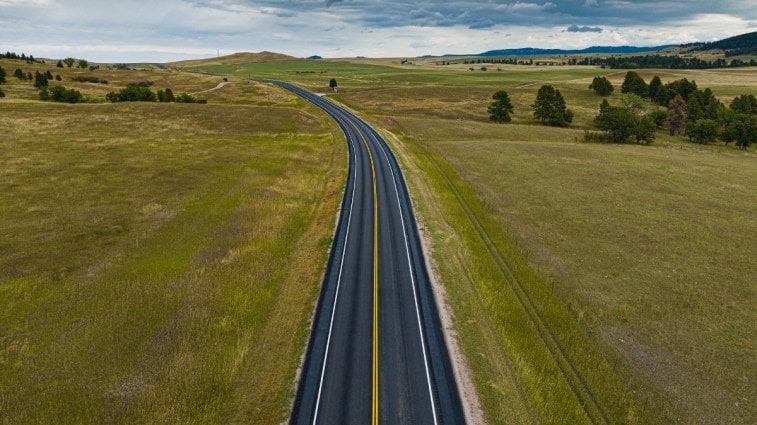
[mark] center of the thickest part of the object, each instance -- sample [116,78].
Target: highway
[376,353]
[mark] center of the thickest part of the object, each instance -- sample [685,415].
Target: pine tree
[501,108]
[550,108]
[2,75]
[677,115]
[633,83]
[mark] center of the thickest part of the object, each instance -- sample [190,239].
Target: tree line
[646,108]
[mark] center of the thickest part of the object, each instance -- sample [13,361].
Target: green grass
[638,256]
[159,263]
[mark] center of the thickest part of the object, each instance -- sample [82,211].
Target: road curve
[376,352]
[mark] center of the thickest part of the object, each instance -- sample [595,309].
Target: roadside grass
[160,262]
[647,249]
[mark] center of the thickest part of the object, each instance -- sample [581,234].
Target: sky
[169,30]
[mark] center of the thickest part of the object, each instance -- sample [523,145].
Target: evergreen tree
[742,130]
[703,131]
[60,64]
[40,80]
[501,108]
[19,74]
[744,104]
[633,83]
[49,75]
[601,86]
[69,62]
[2,75]
[2,93]
[550,109]
[57,77]
[677,115]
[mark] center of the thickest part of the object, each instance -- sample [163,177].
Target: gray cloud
[576,28]
[178,29]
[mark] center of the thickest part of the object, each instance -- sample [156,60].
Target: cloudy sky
[167,30]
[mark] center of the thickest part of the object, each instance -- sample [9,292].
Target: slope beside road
[377,351]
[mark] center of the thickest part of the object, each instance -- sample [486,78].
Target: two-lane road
[377,351]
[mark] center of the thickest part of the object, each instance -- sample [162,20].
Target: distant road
[377,352]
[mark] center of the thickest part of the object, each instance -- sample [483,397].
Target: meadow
[159,263]
[644,252]
[589,282]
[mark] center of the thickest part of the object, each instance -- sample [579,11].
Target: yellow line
[375,402]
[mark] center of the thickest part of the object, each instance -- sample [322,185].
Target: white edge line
[412,281]
[338,282]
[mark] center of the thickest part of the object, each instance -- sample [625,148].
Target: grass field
[647,248]
[159,262]
[159,258]
[637,259]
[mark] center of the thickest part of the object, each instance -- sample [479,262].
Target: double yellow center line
[375,391]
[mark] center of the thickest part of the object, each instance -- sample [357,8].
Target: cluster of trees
[22,56]
[623,124]
[744,44]
[549,107]
[2,80]
[70,62]
[692,112]
[659,61]
[60,94]
[140,93]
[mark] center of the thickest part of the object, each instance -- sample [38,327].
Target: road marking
[338,281]
[375,390]
[412,282]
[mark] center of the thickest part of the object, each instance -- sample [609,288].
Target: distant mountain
[529,51]
[744,44]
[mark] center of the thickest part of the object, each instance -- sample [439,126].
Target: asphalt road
[376,352]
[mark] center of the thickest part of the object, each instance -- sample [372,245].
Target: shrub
[61,94]
[132,94]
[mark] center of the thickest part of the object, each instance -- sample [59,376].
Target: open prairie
[159,262]
[649,249]
[639,259]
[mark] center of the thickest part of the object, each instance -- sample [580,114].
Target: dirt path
[220,85]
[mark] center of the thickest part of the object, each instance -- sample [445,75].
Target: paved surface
[376,353]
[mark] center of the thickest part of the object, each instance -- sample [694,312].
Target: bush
[185,98]
[132,94]
[2,93]
[88,79]
[61,94]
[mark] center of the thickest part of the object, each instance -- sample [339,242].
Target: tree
[703,131]
[501,108]
[40,80]
[332,84]
[60,94]
[742,129]
[83,64]
[677,115]
[601,86]
[624,124]
[69,62]
[633,83]
[18,73]
[2,75]
[57,77]
[49,75]
[658,93]
[2,93]
[702,104]
[683,87]
[60,64]
[744,104]
[550,108]
[166,96]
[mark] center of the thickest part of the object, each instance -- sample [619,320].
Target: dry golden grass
[159,262]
